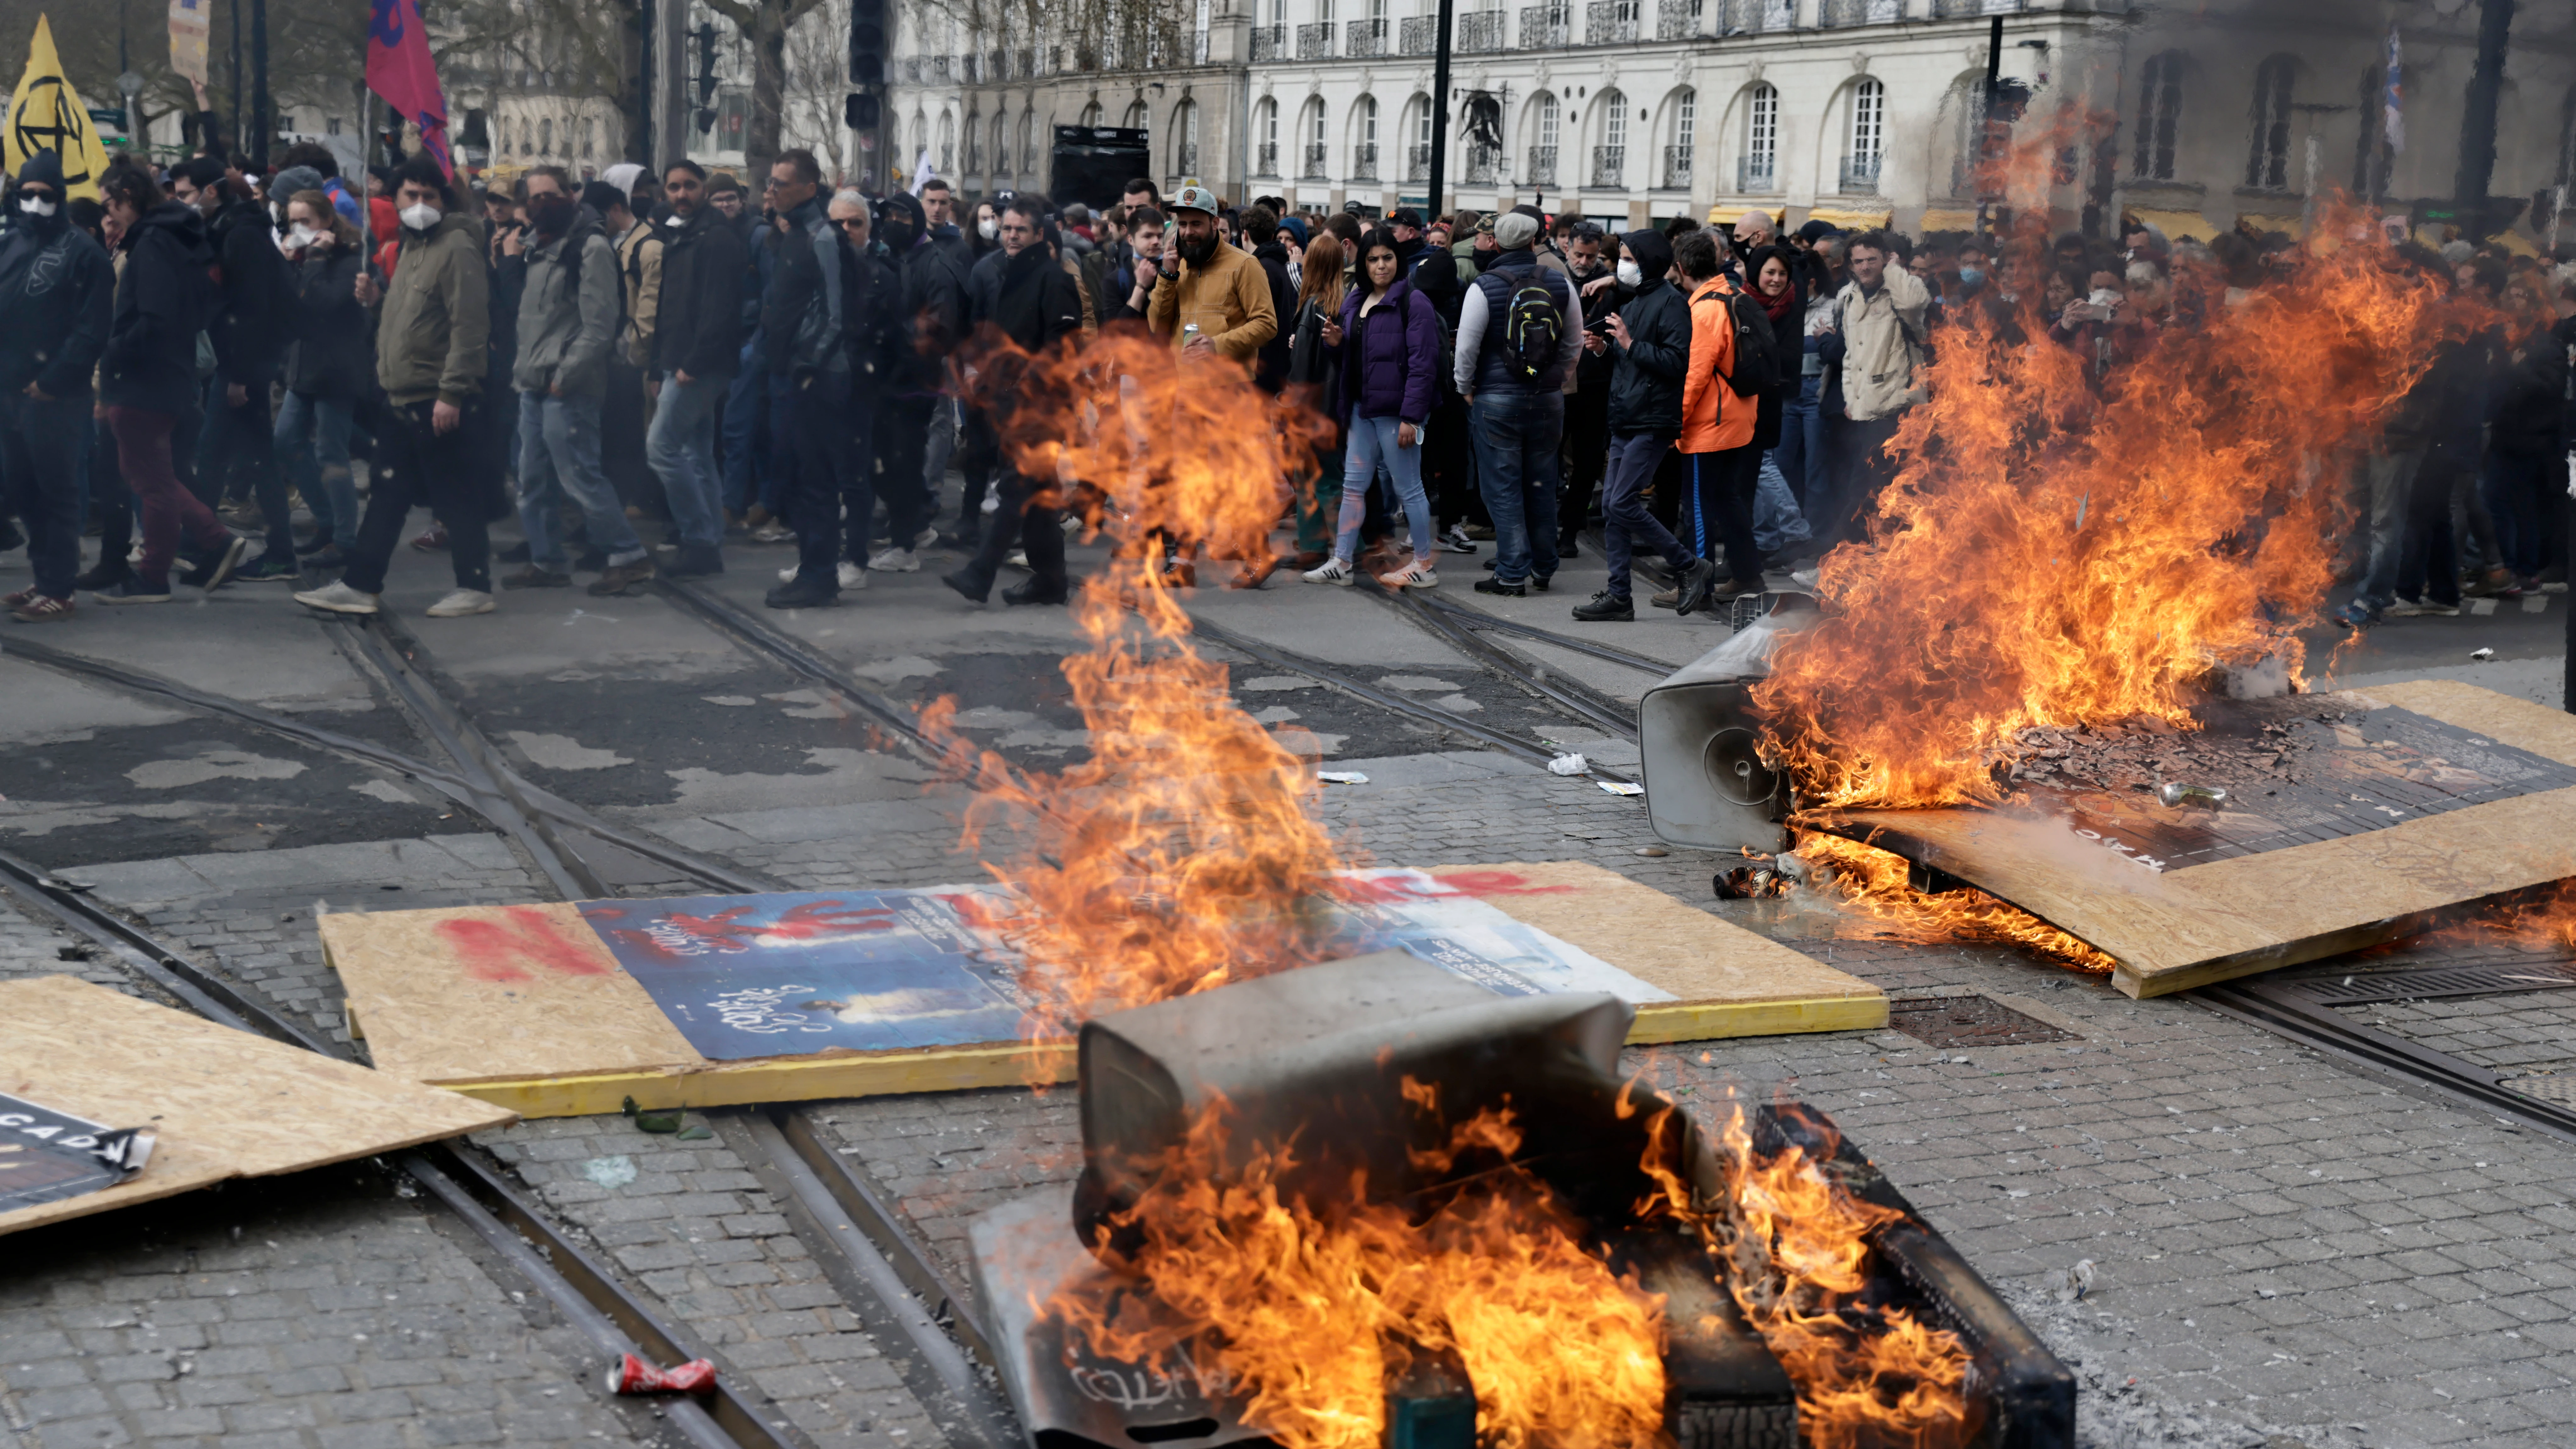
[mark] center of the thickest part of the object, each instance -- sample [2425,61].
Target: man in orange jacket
[1717,423]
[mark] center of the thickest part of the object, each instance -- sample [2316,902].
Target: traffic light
[867,42]
[859,112]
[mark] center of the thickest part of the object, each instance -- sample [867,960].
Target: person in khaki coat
[1875,347]
[1221,288]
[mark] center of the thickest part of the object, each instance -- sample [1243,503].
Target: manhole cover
[1968,1021]
[2561,1090]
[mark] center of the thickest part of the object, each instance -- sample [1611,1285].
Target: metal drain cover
[2561,1090]
[1968,1021]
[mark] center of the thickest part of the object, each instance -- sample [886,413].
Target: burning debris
[1347,1206]
[1881,888]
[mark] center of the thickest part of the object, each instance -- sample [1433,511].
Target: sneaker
[1667,599]
[965,541]
[1456,539]
[773,533]
[134,591]
[460,603]
[623,578]
[1605,606]
[22,596]
[2494,583]
[757,518]
[213,569]
[924,539]
[1418,574]
[1569,547]
[433,540]
[801,596]
[1032,592]
[1476,530]
[787,575]
[2355,615]
[852,576]
[530,576]
[1017,558]
[318,542]
[693,561]
[2402,607]
[895,561]
[339,598]
[1497,586]
[40,609]
[973,585]
[1539,582]
[106,575]
[1330,571]
[268,568]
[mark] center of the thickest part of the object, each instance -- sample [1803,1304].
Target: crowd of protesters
[736,364]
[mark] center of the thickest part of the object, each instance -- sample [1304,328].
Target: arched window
[1002,144]
[2159,111]
[589,137]
[1265,138]
[974,144]
[1758,169]
[2267,161]
[1610,158]
[1480,136]
[1868,130]
[1310,127]
[1091,114]
[1546,126]
[920,140]
[1185,139]
[1135,119]
[1678,144]
[1029,142]
[947,143]
[546,136]
[1417,138]
[1364,138]
[2370,153]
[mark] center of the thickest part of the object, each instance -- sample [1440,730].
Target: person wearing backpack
[1649,344]
[1731,372]
[1520,330]
[1388,341]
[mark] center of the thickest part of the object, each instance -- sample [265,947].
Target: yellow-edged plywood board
[526,1007]
[223,1103]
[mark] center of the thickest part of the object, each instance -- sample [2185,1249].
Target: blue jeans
[1801,452]
[312,439]
[2392,483]
[1372,441]
[558,459]
[682,449]
[751,451]
[2517,488]
[1627,525]
[1516,435]
[1777,520]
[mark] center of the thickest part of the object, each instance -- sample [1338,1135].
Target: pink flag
[399,68]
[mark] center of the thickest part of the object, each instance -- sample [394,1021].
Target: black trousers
[239,453]
[1040,532]
[1721,509]
[40,454]
[1859,465]
[903,438]
[1587,457]
[979,458]
[415,462]
[819,474]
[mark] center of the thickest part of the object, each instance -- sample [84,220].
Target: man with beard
[56,293]
[934,303]
[696,345]
[804,326]
[1019,294]
[1211,299]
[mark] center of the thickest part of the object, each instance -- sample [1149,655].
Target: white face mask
[1629,276]
[302,236]
[420,216]
[36,206]
[988,228]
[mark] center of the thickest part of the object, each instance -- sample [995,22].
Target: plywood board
[527,1007]
[2184,898]
[226,1103]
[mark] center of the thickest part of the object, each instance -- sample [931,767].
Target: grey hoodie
[563,337]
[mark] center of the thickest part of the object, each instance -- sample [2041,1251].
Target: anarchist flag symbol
[48,121]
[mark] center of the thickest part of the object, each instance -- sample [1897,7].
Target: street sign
[111,117]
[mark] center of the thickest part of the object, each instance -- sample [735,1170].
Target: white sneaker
[924,539]
[853,576]
[773,532]
[339,598]
[1330,571]
[1804,578]
[1017,558]
[1418,574]
[895,561]
[461,603]
[787,575]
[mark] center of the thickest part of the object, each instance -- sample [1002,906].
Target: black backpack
[1533,327]
[1757,371]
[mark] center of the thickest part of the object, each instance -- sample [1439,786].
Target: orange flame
[1181,853]
[1878,884]
[2049,556]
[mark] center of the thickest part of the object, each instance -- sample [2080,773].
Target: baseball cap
[1484,226]
[1406,216]
[1196,198]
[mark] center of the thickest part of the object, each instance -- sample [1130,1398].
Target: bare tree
[316,48]
[588,49]
[817,64]
[765,25]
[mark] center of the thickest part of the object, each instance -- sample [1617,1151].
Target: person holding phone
[1388,339]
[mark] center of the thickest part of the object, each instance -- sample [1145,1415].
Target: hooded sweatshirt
[57,292]
[165,296]
[1646,385]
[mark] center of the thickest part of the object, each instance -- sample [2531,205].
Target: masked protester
[1021,294]
[934,301]
[236,453]
[1649,341]
[57,292]
[326,370]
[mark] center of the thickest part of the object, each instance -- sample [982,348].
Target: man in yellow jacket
[1219,289]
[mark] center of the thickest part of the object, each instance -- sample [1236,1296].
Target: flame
[1309,1309]
[1182,852]
[2052,557]
[1877,884]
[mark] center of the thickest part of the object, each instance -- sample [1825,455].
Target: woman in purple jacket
[1389,340]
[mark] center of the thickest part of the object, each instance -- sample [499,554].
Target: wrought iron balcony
[1835,14]
[1269,42]
[1417,163]
[1419,35]
[1479,32]
[1970,9]
[1610,167]
[1363,159]
[1759,17]
[1610,22]
[1364,38]
[1315,40]
[1265,160]
[1546,27]
[1314,162]
[1484,165]
[1757,175]
[1860,175]
[1677,19]
[1541,170]
[1677,168]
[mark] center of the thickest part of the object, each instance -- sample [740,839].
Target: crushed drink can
[628,1374]
[2206,797]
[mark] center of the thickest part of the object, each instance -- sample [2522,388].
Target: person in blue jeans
[1649,343]
[1388,340]
[326,365]
[697,341]
[1512,373]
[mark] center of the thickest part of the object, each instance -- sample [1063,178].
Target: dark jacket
[794,313]
[57,293]
[1433,273]
[1646,388]
[2528,398]
[1496,370]
[1270,364]
[162,301]
[1390,360]
[249,328]
[1028,298]
[878,330]
[329,353]
[699,327]
[934,301]
[1314,369]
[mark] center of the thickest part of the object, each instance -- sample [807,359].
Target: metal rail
[1573,695]
[755,634]
[1479,619]
[1324,673]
